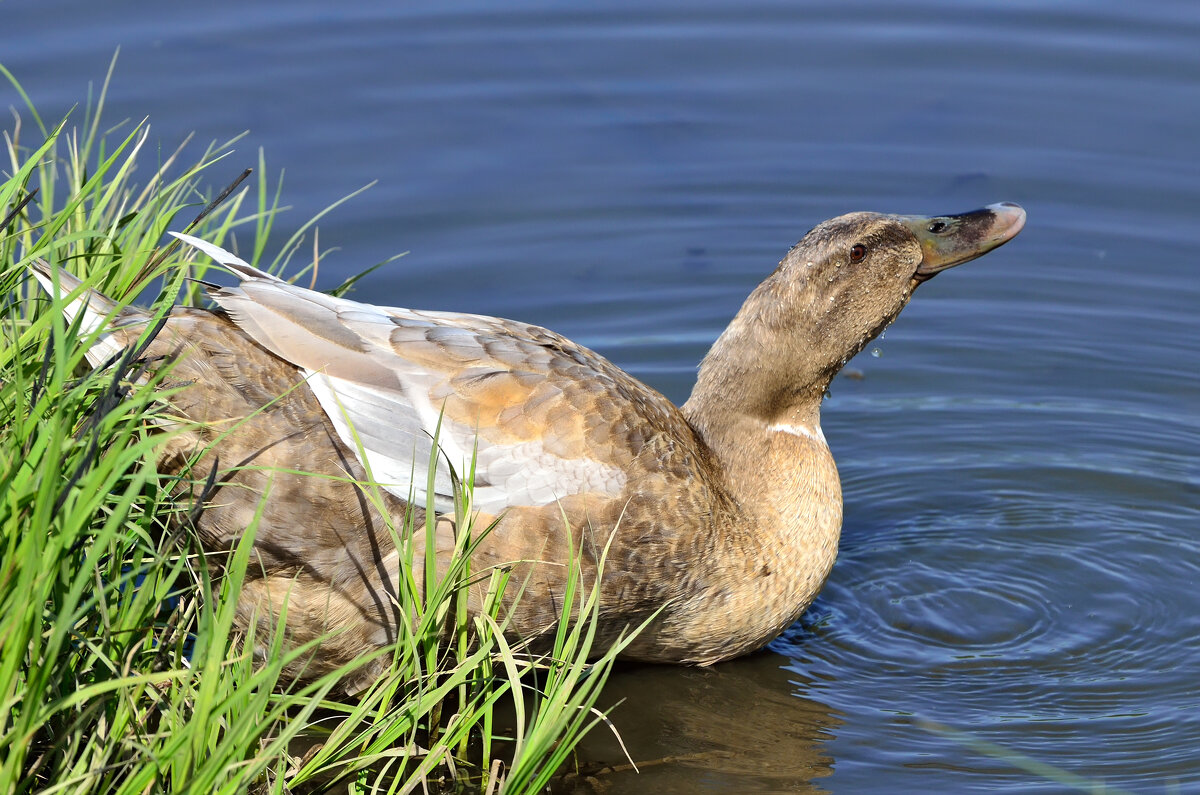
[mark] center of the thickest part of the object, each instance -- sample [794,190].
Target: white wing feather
[380,402]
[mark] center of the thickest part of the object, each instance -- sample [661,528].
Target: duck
[711,525]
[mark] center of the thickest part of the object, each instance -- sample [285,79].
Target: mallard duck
[720,517]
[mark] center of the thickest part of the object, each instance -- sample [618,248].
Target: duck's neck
[762,424]
[768,368]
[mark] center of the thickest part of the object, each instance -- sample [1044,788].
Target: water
[1020,558]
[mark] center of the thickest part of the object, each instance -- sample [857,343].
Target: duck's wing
[542,418]
[101,317]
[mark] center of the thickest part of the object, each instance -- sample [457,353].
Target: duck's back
[295,391]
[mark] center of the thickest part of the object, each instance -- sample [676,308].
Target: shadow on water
[736,727]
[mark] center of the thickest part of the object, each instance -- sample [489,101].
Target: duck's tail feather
[100,315]
[243,269]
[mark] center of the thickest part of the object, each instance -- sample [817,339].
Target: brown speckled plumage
[723,513]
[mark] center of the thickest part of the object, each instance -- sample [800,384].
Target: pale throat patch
[815,433]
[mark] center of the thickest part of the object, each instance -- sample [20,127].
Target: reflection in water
[736,727]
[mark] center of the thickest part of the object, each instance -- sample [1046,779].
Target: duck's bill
[949,240]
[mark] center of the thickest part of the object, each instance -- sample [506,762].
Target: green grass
[121,668]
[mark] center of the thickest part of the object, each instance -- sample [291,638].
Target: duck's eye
[937,226]
[857,252]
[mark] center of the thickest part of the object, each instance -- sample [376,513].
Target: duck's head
[838,288]
[851,275]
